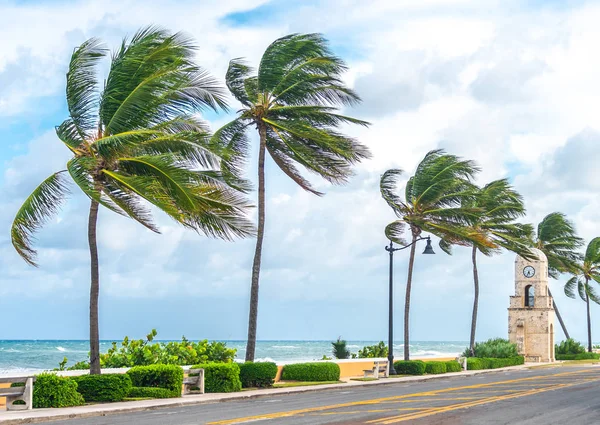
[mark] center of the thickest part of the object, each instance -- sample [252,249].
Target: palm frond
[82,87]
[592,252]
[300,69]
[395,232]
[570,286]
[152,79]
[388,185]
[446,246]
[557,238]
[237,73]
[43,203]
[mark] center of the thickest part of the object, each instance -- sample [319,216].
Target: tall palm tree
[587,271]
[137,140]
[557,238]
[292,102]
[499,206]
[434,202]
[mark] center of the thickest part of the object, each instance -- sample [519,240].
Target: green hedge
[109,387]
[410,367]
[313,372]
[260,374]
[474,363]
[221,377]
[435,368]
[580,356]
[158,375]
[151,392]
[51,390]
[453,366]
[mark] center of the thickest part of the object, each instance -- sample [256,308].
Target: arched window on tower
[529,296]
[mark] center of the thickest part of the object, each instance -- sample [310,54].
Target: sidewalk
[42,415]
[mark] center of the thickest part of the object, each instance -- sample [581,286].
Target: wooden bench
[24,393]
[190,383]
[380,367]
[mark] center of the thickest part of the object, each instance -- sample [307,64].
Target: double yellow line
[437,410]
[425,411]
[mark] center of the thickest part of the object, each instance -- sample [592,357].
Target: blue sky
[511,85]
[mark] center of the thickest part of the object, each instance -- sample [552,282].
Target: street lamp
[391,250]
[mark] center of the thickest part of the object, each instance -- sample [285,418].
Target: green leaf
[82,86]
[43,203]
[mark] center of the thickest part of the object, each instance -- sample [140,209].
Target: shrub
[580,356]
[453,366]
[109,387]
[373,351]
[260,374]
[139,352]
[158,375]
[435,368]
[83,365]
[497,348]
[569,346]
[221,377]
[143,352]
[410,367]
[473,363]
[311,372]
[339,349]
[151,392]
[51,390]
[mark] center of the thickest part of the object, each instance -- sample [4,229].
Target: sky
[510,84]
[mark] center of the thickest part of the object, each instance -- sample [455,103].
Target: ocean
[37,355]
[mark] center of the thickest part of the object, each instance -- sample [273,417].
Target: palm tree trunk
[94,291]
[253,316]
[475,301]
[560,320]
[411,263]
[589,317]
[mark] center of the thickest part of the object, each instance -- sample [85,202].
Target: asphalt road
[562,395]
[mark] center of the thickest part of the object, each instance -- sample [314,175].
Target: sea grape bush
[139,352]
[373,351]
[498,348]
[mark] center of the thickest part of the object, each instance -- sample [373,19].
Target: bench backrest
[22,379]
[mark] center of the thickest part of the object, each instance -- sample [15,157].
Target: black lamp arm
[391,248]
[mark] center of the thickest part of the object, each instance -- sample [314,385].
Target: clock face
[528,271]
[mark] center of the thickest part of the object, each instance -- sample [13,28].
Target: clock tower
[531,312]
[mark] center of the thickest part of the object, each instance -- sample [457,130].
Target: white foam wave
[285,346]
[431,353]
[62,349]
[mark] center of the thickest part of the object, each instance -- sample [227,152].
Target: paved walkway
[42,415]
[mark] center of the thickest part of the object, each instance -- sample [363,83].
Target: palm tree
[557,239]
[587,271]
[499,206]
[434,202]
[292,102]
[137,140]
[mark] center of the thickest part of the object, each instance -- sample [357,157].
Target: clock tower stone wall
[531,312]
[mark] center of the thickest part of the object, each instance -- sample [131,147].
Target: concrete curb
[44,415]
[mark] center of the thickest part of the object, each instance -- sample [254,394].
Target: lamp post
[391,250]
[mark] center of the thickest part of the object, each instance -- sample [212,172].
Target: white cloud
[510,87]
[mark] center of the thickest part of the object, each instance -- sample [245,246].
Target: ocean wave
[431,353]
[62,349]
[285,346]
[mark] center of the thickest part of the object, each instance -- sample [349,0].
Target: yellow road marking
[408,396]
[435,411]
